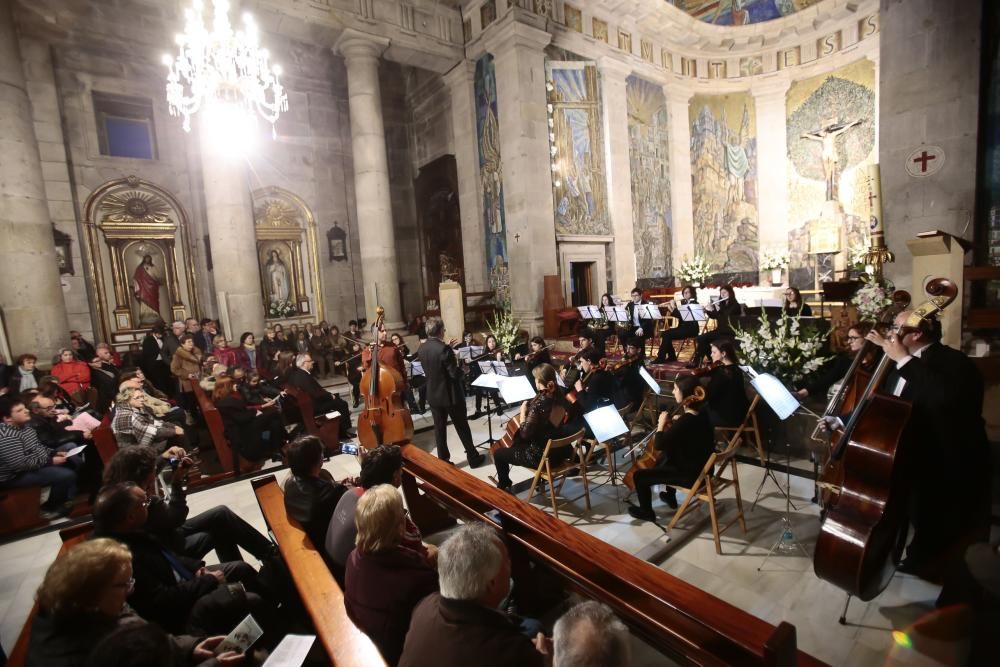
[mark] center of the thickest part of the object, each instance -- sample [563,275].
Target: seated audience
[178,593]
[227,356]
[284,363]
[218,528]
[153,359]
[213,371]
[49,387]
[156,400]
[382,465]
[186,367]
[590,634]
[256,391]
[254,435]
[24,375]
[24,461]
[247,354]
[311,493]
[301,378]
[84,350]
[104,374]
[461,625]
[134,424]
[73,374]
[384,580]
[52,427]
[82,601]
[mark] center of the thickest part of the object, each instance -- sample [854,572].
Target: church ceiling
[740,12]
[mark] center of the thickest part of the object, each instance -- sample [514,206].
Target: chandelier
[222,66]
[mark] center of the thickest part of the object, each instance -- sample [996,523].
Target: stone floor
[783,588]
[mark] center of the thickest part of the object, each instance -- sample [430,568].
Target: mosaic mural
[650,172]
[578,183]
[740,12]
[491,175]
[831,140]
[724,183]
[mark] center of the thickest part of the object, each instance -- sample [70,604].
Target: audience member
[301,377]
[207,334]
[24,376]
[253,434]
[384,580]
[172,590]
[52,427]
[24,461]
[73,374]
[461,625]
[311,492]
[227,356]
[82,601]
[49,387]
[589,635]
[134,424]
[104,375]
[81,346]
[155,400]
[186,367]
[247,354]
[172,341]
[154,360]
[193,328]
[382,465]
[218,528]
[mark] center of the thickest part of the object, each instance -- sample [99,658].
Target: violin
[649,455]
[628,359]
[530,357]
[384,419]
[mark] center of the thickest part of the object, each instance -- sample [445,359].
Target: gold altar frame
[152,222]
[290,235]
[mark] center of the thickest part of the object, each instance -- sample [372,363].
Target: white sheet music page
[776,395]
[606,423]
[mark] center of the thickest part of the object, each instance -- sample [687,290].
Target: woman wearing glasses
[833,372]
[794,305]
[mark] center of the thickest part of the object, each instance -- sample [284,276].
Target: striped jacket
[20,451]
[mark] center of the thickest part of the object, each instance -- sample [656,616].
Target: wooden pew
[216,428]
[327,430]
[104,440]
[70,537]
[680,620]
[20,509]
[345,644]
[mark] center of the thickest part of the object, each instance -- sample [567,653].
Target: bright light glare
[231,130]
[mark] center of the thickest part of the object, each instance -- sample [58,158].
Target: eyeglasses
[127,585]
[855,338]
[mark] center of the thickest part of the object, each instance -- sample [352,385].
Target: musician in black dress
[684,329]
[724,310]
[601,329]
[537,354]
[794,305]
[726,392]
[411,402]
[540,420]
[491,352]
[684,447]
[834,370]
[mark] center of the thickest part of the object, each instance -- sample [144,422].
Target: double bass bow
[384,419]
[860,534]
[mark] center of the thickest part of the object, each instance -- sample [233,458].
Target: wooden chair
[551,471]
[707,488]
[20,509]
[217,430]
[734,434]
[327,430]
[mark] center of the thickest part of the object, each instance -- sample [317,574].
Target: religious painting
[287,255]
[136,253]
[649,165]
[491,175]
[577,144]
[830,127]
[740,12]
[724,183]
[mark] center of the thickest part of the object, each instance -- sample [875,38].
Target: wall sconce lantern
[336,240]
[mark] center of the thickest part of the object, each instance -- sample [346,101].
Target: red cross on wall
[923,159]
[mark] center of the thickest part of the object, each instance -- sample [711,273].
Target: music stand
[693,312]
[607,425]
[490,374]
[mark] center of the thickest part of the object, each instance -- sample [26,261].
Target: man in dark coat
[949,459]
[445,393]
[461,625]
[301,377]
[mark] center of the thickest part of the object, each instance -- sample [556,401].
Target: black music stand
[490,371]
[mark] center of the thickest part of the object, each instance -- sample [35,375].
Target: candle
[875,226]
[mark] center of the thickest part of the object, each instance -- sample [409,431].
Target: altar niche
[286,255]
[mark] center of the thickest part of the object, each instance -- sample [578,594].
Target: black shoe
[357,402]
[476,459]
[638,513]
[500,410]
[476,415]
[670,498]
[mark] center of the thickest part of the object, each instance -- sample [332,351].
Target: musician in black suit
[445,392]
[637,326]
[596,386]
[949,460]
[724,310]
[300,376]
[684,328]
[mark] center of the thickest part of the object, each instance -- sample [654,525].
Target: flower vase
[775,277]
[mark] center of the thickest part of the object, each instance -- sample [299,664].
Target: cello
[649,455]
[384,419]
[861,530]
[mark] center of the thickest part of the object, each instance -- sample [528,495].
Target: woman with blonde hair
[82,600]
[384,581]
[134,424]
[541,419]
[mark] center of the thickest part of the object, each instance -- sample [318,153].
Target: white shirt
[901,382]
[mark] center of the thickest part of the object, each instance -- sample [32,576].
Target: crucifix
[827,136]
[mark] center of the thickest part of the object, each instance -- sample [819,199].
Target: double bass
[384,419]
[863,526]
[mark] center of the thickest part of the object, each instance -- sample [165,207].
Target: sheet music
[605,423]
[486,381]
[515,389]
[616,313]
[650,311]
[83,422]
[494,368]
[464,353]
[650,380]
[776,395]
[291,651]
[476,350]
[693,312]
[417,368]
[584,312]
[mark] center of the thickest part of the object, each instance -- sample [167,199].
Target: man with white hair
[172,340]
[590,635]
[301,378]
[461,625]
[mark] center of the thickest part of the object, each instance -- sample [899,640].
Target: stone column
[616,155]
[470,199]
[681,203]
[772,164]
[229,213]
[519,61]
[361,53]
[30,294]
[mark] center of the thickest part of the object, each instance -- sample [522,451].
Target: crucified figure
[827,136]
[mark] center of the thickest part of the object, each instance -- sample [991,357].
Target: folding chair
[707,488]
[550,471]
[733,434]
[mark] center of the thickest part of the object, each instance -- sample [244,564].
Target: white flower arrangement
[774,259]
[504,326]
[872,299]
[694,270]
[282,309]
[782,348]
